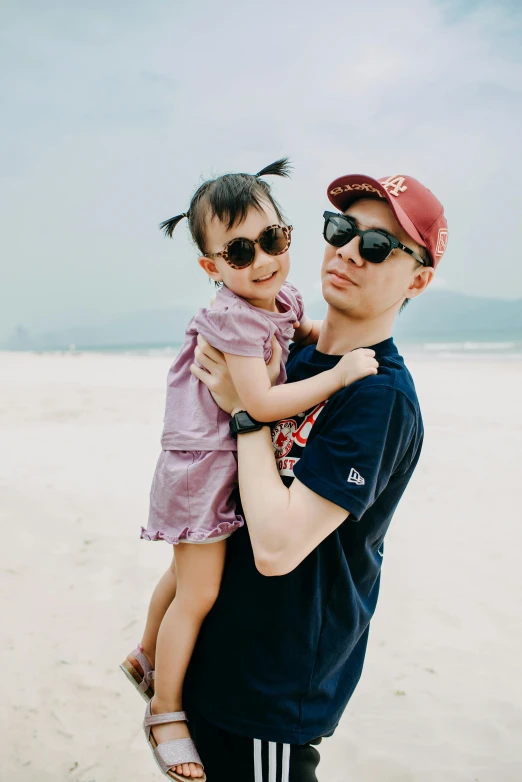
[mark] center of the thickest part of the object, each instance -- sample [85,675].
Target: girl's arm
[271,403]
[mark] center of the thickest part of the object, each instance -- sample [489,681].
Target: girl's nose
[261,259]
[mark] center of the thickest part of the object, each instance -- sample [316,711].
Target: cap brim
[346,189]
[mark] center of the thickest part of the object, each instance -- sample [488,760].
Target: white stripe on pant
[272,762]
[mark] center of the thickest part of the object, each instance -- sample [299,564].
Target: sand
[441,695]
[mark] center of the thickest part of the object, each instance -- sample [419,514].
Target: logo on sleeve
[356,477]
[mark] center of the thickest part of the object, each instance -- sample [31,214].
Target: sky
[114,113]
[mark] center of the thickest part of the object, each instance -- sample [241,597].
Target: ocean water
[491,351]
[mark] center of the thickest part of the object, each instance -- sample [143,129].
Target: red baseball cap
[414,206]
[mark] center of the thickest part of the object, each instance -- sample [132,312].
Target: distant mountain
[438,316]
[146,329]
[444,316]
[447,317]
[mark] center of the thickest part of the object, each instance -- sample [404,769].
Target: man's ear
[423,277]
[209,266]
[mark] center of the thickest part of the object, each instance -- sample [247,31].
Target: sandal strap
[144,685]
[140,657]
[161,719]
[175,752]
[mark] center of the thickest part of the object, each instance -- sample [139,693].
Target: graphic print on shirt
[289,437]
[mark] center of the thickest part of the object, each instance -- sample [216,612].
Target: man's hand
[214,373]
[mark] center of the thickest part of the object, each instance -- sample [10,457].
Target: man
[282,651]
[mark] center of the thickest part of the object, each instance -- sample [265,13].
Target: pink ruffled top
[193,421]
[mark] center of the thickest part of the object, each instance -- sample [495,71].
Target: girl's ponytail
[167,226]
[281,167]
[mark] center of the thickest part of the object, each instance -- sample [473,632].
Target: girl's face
[261,281]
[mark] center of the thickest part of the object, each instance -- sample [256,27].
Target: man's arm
[285,525]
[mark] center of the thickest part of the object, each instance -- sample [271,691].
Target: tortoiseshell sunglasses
[240,253]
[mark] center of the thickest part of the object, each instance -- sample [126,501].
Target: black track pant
[228,757]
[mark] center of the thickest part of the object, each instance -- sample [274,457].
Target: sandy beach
[441,695]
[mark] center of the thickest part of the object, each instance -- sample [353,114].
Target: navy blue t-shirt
[279,657]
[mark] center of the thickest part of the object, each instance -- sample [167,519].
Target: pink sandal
[172,753]
[141,681]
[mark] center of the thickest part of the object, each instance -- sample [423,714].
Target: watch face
[243,419]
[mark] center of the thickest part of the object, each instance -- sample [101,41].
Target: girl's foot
[174,730]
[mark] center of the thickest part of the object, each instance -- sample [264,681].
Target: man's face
[362,289]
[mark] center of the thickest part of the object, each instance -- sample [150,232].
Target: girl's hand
[214,373]
[356,365]
[306,332]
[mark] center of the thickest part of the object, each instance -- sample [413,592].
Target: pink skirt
[190,498]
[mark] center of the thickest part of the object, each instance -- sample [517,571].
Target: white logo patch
[442,241]
[394,185]
[356,477]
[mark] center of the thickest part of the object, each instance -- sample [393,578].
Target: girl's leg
[161,599]
[199,570]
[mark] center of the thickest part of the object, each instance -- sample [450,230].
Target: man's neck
[340,333]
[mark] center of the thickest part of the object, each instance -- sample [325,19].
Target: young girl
[244,243]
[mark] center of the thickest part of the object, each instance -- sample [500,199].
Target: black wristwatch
[241,422]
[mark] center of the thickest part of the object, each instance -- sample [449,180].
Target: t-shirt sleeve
[358,447]
[296,300]
[237,330]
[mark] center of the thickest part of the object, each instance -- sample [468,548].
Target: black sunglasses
[240,253]
[375,245]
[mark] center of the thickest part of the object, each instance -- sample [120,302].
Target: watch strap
[242,422]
